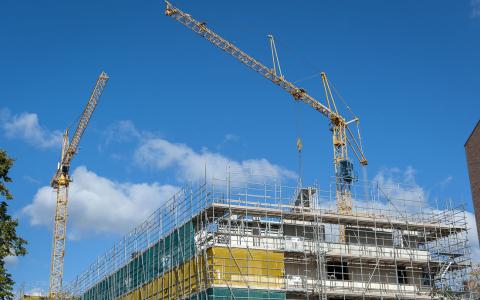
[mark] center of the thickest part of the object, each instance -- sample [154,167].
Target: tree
[10,243]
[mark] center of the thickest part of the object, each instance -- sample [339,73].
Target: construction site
[244,235]
[254,238]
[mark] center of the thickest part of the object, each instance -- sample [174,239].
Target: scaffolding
[254,237]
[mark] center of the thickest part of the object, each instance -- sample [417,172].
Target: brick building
[472,150]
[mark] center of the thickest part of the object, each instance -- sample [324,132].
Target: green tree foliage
[10,243]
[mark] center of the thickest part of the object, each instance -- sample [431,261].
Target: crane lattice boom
[60,183]
[72,147]
[243,57]
[299,94]
[342,135]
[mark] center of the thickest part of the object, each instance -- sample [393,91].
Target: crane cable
[351,112]
[277,70]
[312,76]
[299,142]
[336,92]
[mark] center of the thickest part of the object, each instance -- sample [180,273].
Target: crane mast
[60,183]
[343,136]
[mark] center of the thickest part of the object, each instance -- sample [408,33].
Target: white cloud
[11,260]
[445,182]
[473,237]
[31,180]
[190,164]
[401,185]
[475,5]
[26,126]
[230,137]
[398,185]
[99,205]
[123,131]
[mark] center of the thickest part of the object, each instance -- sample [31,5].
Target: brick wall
[472,150]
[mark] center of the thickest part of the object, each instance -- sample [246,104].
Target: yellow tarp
[248,267]
[234,267]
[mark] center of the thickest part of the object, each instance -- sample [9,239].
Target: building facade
[472,151]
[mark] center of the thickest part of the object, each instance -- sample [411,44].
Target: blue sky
[408,69]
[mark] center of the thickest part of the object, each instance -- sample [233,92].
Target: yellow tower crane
[60,183]
[343,135]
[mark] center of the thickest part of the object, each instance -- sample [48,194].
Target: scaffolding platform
[246,238]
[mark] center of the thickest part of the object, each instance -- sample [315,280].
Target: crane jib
[200,28]
[86,115]
[342,136]
[60,183]
[299,94]
[82,125]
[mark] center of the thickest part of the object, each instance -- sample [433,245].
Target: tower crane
[343,136]
[60,183]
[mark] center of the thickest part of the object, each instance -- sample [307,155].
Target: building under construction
[246,236]
[251,237]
